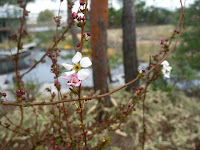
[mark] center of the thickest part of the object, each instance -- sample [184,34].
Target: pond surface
[41,73]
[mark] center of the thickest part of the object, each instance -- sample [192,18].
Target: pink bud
[4,94]
[22,92]
[88,34]
[74,15]
[82,2]
[18,91]
[79,18]
[161,42]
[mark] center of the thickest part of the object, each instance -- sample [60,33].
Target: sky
[40,5]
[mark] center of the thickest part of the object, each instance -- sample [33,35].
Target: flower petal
[165,63]
[77,57]
[67,66]
[70,84]
[167,75]
[85,62]
[83,74]
[78,84]
[74,78]
[70,73]
[66,77]
[168,68]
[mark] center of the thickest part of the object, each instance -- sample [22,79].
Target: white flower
[165,63]
[79,64]
[166,70]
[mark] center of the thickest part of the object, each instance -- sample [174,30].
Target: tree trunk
[70,21]
[129,43]
[99,24]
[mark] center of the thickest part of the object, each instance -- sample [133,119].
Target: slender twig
[19,45]
[80,111]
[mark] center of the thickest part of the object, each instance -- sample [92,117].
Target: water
[41,73]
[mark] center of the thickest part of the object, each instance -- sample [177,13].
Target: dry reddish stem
[80,111]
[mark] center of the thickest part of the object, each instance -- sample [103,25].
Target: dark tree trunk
[69,20]
[99,24]
[129,43]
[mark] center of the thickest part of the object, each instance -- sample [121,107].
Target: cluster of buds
[55,68]
[177,31]
[79,18]
[164,44]
[57,20]
[20,94]
[27,131]
[57,84]
[7,125]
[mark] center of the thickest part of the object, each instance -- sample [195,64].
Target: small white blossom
[166,70]
[78,67]
[165,63]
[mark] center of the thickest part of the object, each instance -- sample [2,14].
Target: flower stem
[81,117]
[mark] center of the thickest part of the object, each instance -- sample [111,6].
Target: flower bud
[79,18]
[88,34]
[74,15]
[4,94]
[82,2]
[22,92]
[161,42]
[18,91]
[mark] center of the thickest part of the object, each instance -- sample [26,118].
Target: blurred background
[155,21]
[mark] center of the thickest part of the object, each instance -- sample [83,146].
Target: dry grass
[147,39]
